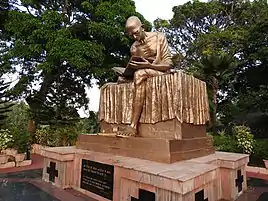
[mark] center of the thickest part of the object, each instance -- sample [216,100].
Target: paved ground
[37,163]
[257,175]
[25,184]
[257,190]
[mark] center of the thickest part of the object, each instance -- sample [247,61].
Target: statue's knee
[138,73]
[139,76]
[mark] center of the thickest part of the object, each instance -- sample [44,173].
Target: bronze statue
[149,96]
[150,57]
[161,109]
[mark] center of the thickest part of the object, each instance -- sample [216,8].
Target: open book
[129,71]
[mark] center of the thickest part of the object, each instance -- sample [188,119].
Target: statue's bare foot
[127,132]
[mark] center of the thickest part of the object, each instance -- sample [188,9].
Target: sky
[151,10]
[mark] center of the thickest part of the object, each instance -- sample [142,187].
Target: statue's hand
[140,64]
[157,60]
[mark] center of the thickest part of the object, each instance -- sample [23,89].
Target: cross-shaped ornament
[144,196]
[51,170]
[199,196]
[239,181]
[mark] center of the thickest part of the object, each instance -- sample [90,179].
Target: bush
[260,153]
[21,140]
[16,123]
[224,142]
[56,136]
[6,139]
[42,136]
[67,135]
[88,125]
[244,138]
[241,141]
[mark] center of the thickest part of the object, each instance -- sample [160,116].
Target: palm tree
[214,69]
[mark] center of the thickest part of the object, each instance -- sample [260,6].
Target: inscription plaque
[97,178]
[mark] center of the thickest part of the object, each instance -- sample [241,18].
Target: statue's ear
[142,26]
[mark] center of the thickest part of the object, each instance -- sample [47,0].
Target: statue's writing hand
[140,64]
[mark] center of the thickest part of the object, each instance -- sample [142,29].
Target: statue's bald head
[134,28]
[133,21]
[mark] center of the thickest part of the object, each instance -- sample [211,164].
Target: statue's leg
[122,79]
[140,78]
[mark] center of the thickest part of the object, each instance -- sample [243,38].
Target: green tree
[16,122]
[5,104]
[66,44]
[215,70]
[200,30]
[89,124]
[249,97]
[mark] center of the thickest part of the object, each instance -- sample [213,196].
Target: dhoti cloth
[168,96]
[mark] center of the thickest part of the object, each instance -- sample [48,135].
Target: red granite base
[251,194]
[214,175]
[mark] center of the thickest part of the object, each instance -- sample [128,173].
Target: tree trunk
[31,128]
[35,103]
[64,141]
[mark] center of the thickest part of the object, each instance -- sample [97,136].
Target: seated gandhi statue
[152,48]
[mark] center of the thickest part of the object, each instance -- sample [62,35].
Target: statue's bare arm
[163,60]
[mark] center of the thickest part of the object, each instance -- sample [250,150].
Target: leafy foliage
[88,125]
[260,151]
[17,118]
[60,46]
[240,140]
[202,33]
[16,122]
[4,102]
[56,136]
[225,142]
[215,70]
[245,138]
[6,139]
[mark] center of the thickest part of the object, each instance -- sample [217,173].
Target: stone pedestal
[159,150]
[169,129]
[59,166]
[171,159]
[232,167]
[105,176]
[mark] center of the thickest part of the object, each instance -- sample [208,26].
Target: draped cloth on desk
[168,96]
